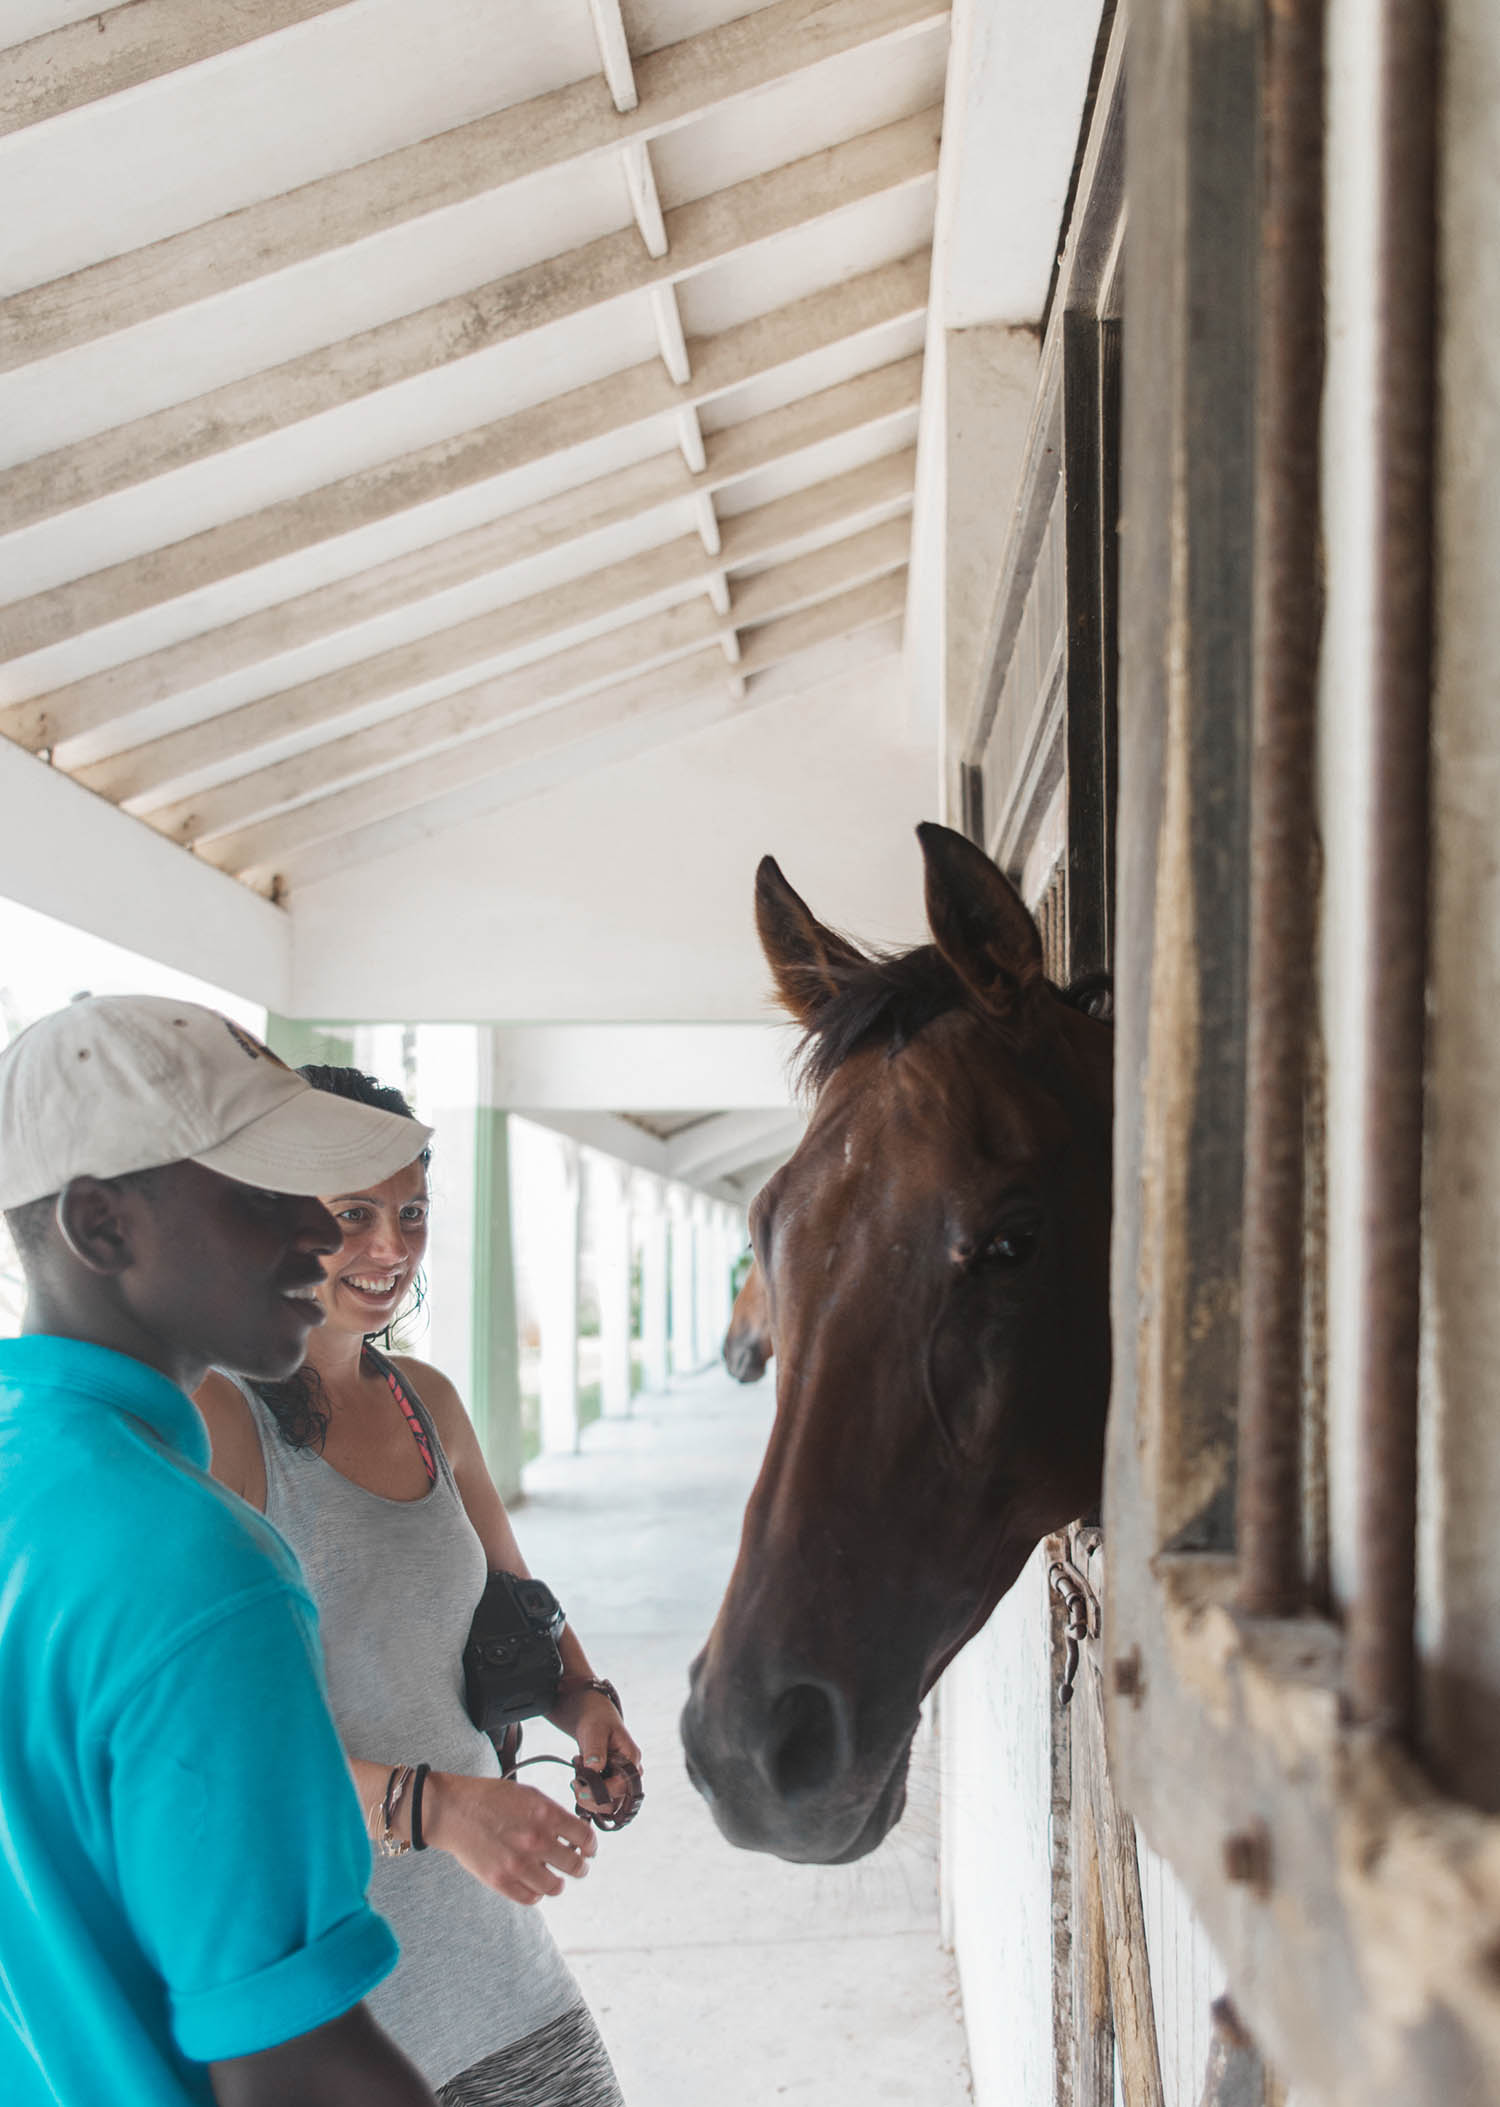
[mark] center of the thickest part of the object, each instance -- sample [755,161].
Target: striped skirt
[562,2065]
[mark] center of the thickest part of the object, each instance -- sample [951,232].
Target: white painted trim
[71,855]
[614,54]
[640,181]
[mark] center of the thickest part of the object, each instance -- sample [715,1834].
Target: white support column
[705,1245]
[611,1182]
[558,1299]
[684,1306]
[654,1264]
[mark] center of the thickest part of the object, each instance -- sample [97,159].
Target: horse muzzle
[785,1775]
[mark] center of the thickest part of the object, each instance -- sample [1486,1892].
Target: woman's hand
[592,1721]
[508,1835]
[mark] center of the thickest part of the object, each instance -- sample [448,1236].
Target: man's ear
[811,964]
[94,1220]
[980,924]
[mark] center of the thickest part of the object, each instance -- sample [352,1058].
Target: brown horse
[936,1259]
[747,1343]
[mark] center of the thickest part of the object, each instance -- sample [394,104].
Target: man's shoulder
[134,1546]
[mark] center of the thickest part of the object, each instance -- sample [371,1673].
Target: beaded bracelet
[388,1844]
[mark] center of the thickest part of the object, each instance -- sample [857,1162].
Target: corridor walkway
[721,1978]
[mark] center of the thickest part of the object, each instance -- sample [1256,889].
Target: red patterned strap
[413,1419]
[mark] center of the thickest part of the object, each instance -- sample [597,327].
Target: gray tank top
[396,1583]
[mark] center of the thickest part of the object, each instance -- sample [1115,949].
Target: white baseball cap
[119,1083]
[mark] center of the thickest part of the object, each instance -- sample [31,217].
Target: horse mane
[891,996]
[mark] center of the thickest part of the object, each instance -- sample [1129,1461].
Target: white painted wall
[996,1870]
[628,895]
[68,854]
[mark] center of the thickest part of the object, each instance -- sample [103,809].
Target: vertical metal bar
[1288,610]
[1382,1663]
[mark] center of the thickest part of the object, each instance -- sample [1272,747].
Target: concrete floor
[721,1978]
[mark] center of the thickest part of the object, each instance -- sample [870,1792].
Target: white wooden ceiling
[394,397]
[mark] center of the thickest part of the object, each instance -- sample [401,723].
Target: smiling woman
[366,1462]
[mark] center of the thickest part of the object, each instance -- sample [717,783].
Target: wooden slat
[721,363]
[707,232]
[678,85]
[673,571]
[416,781]
[123,47]
[398,741]
[148,771]
[1131,2004]
[741,450]
[375,841]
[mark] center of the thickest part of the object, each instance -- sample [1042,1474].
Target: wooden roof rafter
[790,528]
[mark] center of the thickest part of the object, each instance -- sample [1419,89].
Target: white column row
[686,1244]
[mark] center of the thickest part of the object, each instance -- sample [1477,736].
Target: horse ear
[980,923]
[810,963]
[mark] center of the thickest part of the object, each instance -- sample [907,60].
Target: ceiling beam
[709,231]
[731,359]
[652,695]
[640,650]
[672,571]
[678,85]
[740,450]
[145,775]
[123,47]
[703,677]
[405,830]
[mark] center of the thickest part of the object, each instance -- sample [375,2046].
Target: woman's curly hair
[297,1403]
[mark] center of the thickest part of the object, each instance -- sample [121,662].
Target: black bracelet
[418,1841]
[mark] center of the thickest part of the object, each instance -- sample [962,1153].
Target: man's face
[223,1275]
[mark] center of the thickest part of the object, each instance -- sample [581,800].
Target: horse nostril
[809,1739]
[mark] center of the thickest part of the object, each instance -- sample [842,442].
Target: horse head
[935,1258]
[747,1343]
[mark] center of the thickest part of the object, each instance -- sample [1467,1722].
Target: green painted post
[298,1041]
[495,1389]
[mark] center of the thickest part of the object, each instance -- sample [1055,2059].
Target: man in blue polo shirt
[183,1862]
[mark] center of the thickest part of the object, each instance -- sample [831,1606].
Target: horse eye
[1011,1248]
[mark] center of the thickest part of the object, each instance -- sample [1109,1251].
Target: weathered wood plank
[741,450]
[679,84]
[707,232]
[1120,1896]
[123,47]
[721,363]
[417,781]
[398,742]
[672,571]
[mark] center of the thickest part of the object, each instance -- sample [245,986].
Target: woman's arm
[234,1439]
[586,1714]
[506,1834]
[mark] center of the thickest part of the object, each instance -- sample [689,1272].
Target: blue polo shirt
[182,1859]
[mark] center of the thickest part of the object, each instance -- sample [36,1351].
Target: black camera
[512,1666]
